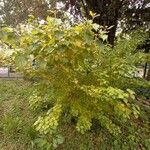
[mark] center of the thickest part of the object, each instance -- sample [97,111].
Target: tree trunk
[148,74]
[145,70]
[146,46]
[108,12]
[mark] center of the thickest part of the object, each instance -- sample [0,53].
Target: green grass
[17,131]
[15,125]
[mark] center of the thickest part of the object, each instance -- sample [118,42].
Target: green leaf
[58,34]
[21,61]
[40,142]
[60,139]
[88,38]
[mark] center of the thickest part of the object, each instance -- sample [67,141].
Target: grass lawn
[17,132]
[14,115]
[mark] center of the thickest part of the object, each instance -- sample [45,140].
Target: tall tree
[127,13]
[13,12]
[109,13]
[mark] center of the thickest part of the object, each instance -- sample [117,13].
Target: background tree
[13,12]
[127,14]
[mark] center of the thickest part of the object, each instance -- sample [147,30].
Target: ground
[17,131]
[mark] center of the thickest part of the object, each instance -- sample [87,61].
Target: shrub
[78,75]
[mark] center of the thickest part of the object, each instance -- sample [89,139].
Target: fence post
[8,71]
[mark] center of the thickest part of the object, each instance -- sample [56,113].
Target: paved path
[4,73]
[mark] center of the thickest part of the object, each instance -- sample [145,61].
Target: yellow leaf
[92,14]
